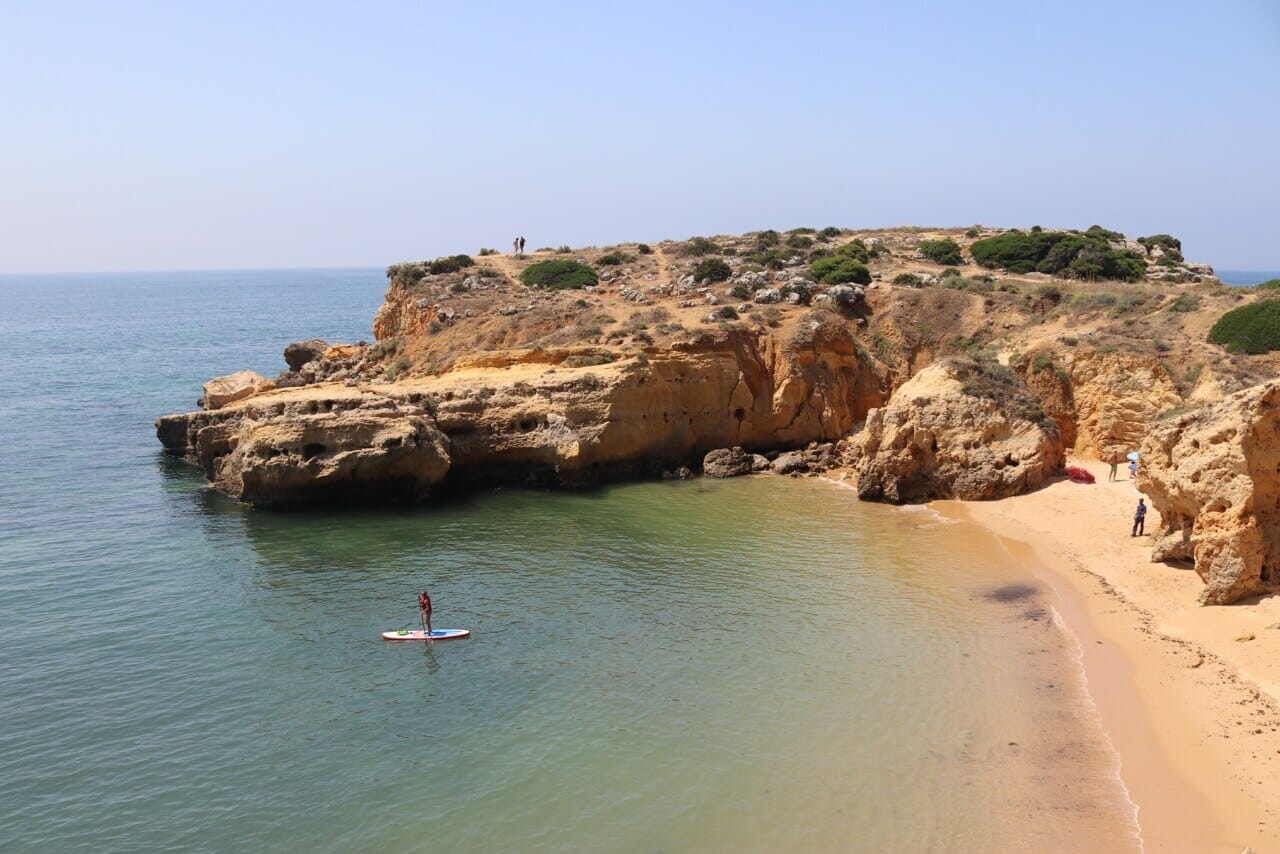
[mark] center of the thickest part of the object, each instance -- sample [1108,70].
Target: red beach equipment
[1079,475]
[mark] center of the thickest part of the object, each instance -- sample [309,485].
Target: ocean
[743,665]
[1246,277]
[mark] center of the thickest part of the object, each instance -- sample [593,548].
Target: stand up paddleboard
[420,635]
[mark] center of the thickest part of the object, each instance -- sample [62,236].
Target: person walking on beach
[521,244]
[1139,518]
[424,605]
[1133,470]
[1113,461]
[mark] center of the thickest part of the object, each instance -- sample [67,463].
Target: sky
[228,135]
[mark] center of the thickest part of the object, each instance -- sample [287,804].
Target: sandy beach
[1187,694]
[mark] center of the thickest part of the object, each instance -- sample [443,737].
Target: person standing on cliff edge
[424,605]
[1113,460]
[520,242]
[1139,518]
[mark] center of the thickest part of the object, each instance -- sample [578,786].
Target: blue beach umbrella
[1133,455]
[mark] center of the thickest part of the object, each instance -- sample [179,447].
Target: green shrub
[1103,233]
[799,241]
[773,259]
[973,232]
[1185,302]
[644,249]
[961,283]
[1171,245]
[741,292]
[836,269]
[767,238]
[697,246]
[451,264]
[727,312]
[1249,329]
[484,250]
[1075,256]
[563,249]
[559,275]
[829,232]
[945,251]
[713,269]
[855,249]
[1041,362]
[802,230]
[613,259]
[458,288]
[396,368]
[1269,285]
[909,280]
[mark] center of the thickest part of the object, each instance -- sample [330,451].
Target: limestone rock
[548,423]
[220,391]
[1116,396]
[316,458]
[952,431]
[1212,474]
[299,353]
[726,462]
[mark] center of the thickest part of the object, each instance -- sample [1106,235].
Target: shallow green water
[702,666]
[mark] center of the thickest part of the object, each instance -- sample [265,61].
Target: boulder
[1213,475]
[220,391]
[791,461]
[768,295]
[299,353]
[958,429]
[727,462]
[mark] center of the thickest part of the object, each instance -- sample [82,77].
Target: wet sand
[1187,695]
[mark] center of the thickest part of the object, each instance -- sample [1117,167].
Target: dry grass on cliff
[639,304]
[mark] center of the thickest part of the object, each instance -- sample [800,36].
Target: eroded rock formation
[945,434]
[1212,475]
[1116,395]
[528,417]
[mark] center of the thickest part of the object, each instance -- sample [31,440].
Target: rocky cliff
[533,417]
[765,342]
[958,429]
[1213,473]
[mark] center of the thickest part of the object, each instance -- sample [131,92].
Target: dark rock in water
[789,462]
[299,353]
[726,462]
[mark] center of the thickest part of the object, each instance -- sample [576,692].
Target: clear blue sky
[224,134]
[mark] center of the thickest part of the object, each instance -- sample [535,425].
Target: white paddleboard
[420,635]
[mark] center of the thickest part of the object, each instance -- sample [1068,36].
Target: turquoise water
[699,666]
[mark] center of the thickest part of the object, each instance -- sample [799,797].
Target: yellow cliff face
[526,417]
[1213,473]
[477,378]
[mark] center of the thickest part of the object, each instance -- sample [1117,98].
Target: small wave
[1095,717]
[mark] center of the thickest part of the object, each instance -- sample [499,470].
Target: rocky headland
[918,363]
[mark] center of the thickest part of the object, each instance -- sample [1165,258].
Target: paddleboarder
[424,605]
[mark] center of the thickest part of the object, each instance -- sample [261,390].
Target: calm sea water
[1246,277]
[699,666]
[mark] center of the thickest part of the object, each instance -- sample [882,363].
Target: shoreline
[1190,710]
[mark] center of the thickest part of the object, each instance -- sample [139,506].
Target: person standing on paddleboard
[424,605]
